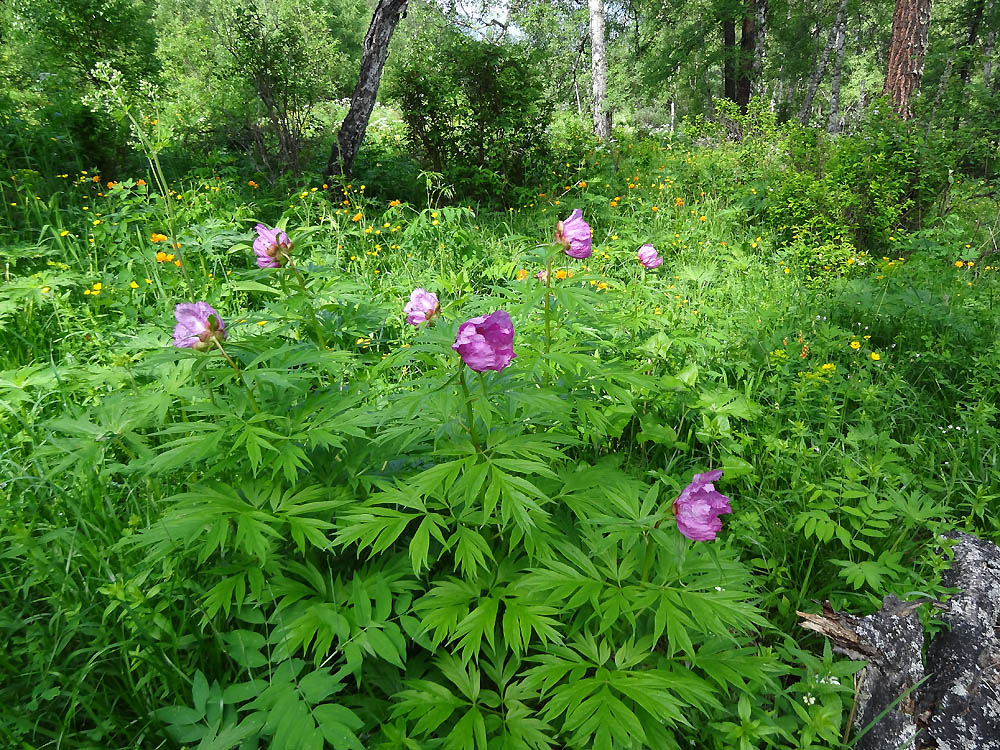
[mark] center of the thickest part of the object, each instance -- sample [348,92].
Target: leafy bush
[251,74]
[474,109]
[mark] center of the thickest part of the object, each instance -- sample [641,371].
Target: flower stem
[468,407]
[317,328]
[243,380]
[548,314]
[647,559]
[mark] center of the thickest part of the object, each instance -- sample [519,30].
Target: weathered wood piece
[891,640]
[958,706]
[961,701]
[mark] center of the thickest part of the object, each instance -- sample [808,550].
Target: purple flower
[486,342]
[272,247]
[574,235]
[699,506]
[199,326]
[423,306]
[648,257]
[542,276]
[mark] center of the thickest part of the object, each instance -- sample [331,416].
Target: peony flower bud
[272,247]
[648,257]
[199,326]
[422,307]
[486,342]
[574,235]
[699,506]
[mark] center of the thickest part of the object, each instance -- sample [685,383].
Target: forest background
[323,529]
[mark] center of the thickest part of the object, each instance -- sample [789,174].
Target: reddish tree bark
[373,55]
[911,22]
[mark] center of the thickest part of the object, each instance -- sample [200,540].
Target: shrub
[474,109]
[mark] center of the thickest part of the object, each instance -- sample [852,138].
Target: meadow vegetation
[306,517]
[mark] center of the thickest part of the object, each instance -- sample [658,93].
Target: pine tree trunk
[599,70]
[748,43]
[729,59]
[824,58]
[911,22]
[833,123]
[374,52]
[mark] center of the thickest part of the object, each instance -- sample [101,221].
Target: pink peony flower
[486,342]
[272,247]
[648,257]
[422,307]
[699,506]
[574,235]
[198,326]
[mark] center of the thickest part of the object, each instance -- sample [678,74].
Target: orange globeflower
[522,274]
[161,256]
[141,183]
[158,238]
[678,202]
[393,204]
[357,217]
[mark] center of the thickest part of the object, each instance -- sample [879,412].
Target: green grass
[176,566]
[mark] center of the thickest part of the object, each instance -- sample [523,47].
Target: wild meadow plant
[450,566]
[420,476]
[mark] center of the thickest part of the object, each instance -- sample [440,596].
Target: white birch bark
[817,74]
[833,123]
[599,70]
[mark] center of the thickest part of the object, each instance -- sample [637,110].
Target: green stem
[548,314]
[243,380]
[647,560]
[317,328]
[468,407]
[161,180]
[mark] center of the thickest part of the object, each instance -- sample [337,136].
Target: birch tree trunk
[991,40]
[942,84]
[911,22]
[776,91]
[967,53]
[824,58]
[374,52]
[990,45]
[833,123]
[760,29]
[599,70]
